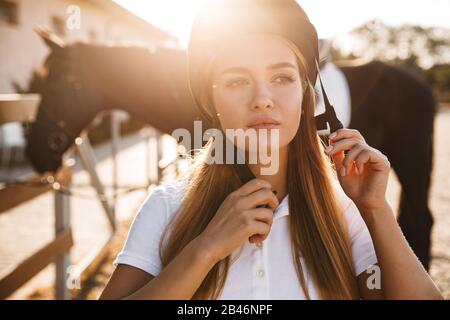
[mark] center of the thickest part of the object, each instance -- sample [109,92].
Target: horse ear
[51,40]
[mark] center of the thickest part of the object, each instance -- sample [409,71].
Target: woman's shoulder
[171,189]
[165,198]
[142,247]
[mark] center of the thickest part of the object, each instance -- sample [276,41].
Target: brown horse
[393,109]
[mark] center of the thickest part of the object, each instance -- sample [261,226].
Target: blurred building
[101,21]
[22,52]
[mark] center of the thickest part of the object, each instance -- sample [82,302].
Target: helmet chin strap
[329,116]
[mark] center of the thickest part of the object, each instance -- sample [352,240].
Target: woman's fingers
[346,133]
[259,221]
[338,157]
[358,153]
[260,197]
[262,214]
[342,145]
[363,158]
[259,225]
[259,231]
[252,186]
[351,156]
[256,238]
[378,161]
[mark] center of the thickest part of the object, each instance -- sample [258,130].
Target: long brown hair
[317,226]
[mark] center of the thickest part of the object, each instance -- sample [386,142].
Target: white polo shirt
[260,272]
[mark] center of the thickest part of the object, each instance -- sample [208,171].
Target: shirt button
[260,273]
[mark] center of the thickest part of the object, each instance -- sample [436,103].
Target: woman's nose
[261,99]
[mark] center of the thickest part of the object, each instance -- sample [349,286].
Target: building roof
[123,14]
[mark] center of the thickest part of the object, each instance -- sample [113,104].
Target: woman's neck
[279,179]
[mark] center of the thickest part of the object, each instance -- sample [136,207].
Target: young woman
[208,236]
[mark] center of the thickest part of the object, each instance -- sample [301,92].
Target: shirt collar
[282,209]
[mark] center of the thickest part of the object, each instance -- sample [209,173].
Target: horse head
[83,80]
[62,113]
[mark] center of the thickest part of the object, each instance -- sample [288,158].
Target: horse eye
[56,141]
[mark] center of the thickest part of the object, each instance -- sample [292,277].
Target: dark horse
[392,108]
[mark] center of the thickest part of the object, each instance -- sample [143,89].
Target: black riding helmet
[220,20]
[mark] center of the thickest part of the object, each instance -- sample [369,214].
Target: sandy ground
[439,203]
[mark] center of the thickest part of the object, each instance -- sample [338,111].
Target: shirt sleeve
[363,251]
[141,249]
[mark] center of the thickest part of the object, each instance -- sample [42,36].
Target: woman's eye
[284,79]
[280,79]
[236,83]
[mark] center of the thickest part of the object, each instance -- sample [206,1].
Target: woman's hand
[240,219]
[363,172]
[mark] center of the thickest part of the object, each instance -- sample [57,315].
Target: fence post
[160,152]
[88,159]
[62,221]
[151,153]
[115,136]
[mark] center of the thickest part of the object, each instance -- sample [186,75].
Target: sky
[332,18]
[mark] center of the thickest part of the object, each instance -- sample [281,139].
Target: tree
[423,50]
[422,46]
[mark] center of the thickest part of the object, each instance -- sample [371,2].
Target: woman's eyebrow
[272,66]
[234,70]
[282,65]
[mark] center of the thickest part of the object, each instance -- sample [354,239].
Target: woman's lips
[264,122]
[264,126]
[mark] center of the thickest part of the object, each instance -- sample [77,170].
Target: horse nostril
[56,141]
